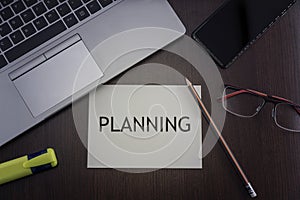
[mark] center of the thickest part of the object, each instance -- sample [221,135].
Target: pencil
[223,142]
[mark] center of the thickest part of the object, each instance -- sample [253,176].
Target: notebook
[144,126]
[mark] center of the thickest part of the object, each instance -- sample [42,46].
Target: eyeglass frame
[276,100]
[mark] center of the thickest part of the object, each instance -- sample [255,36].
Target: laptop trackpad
[53,81]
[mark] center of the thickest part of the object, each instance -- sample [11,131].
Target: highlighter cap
[27,165]
[41,161]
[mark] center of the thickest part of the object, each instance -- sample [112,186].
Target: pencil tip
[188,82]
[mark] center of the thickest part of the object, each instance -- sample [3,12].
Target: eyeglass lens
[241,103]
[287,117]
[244,104]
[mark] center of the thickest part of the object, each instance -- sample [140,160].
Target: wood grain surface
[270,156]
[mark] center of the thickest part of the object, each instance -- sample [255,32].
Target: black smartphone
[232,28]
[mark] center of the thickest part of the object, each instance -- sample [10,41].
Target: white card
[144,126]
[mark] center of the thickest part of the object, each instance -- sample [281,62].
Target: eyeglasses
[248,103]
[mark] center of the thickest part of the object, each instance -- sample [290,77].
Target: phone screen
[236,25]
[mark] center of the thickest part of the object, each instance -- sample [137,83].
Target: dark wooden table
[269,155]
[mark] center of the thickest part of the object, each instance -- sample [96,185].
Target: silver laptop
[44,42]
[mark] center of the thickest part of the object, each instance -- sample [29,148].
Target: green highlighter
[27,165]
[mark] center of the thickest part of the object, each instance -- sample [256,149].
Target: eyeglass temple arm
[228,96]
[295,106]
[298,110]
[241,91]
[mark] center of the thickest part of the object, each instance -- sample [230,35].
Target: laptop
[43,44]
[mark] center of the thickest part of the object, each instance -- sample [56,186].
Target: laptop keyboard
[26,24]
